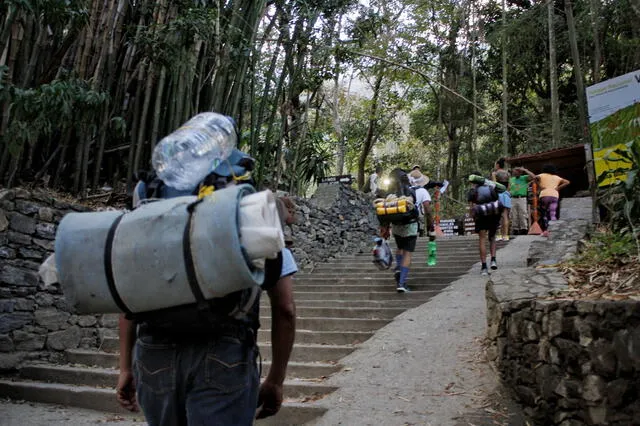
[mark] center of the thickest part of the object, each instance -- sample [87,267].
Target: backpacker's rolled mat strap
[161,255]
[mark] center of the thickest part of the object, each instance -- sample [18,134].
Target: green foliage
[605,246]
[51,107]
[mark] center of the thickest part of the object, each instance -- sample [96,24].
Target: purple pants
[549,207]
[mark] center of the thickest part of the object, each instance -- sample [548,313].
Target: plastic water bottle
[431,253]
[185,157]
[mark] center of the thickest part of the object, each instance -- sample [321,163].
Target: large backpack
[215,313]
[400,207]
[486,201]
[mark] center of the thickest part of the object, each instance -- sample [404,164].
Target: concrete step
[333,324]
[387,285]
[110,344]
[341,312]
[293,411]
[322,337]
[366,264]
[407,304]
[422,296]
[300,353]
[309,283]
[108,377]
[376,273]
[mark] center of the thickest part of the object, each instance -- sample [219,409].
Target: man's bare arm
[283,331]
[125,389]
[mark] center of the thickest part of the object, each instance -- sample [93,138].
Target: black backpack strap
[272,272]
[108,267]
[188,260]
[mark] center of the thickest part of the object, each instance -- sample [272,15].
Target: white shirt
[422,195]
[373,182]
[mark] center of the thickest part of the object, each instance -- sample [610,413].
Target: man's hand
[126,391]
[269,399]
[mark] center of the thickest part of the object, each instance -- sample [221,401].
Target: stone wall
[568,362]
[36,323]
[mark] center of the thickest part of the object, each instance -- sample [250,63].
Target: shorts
[487,223]
[406,243]
[505,199]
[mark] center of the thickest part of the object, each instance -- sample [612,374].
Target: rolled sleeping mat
[164,254]
[480,180]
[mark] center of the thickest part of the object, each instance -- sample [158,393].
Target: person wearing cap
[419,183]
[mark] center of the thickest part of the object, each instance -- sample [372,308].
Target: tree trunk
[594,14]
[553,78]
[577,70]
[371,129]
[505,90]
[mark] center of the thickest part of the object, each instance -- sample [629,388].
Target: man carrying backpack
[405,232]
[197,365]
[486,211]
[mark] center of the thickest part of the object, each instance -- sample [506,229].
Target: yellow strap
[205,190]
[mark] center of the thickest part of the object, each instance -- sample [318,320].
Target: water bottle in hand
[185,157]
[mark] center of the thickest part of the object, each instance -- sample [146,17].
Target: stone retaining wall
[568,362]
[36,323]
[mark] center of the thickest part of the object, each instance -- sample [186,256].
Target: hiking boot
[494,265]
[484,271]
[402,288]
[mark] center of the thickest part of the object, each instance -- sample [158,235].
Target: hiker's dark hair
[500,162]
[550,168]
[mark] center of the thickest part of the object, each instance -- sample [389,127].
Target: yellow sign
[608,160]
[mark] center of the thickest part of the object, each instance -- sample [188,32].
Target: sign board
[614,122]
[332,180]
[469,224]
[449,227]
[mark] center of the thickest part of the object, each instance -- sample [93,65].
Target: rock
[46,230]
[14,320]
[555,323]
[6,344]
[46,214]
[44,244]
[87,321]
[10,361]
[7,253]
[634,347]
[21,223]
[65,339]
[27,253]
[568,388]
[18,276]
[25,305]
[593,388]
[616,392]
[44,299]
[603,357]
[7,305]
[22,193]
[18,238]
[51,318]
[4,222]
[27,207]
[28,341]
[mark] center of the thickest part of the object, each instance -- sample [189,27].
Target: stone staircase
[340,304]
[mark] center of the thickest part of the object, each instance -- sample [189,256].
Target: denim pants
[213,381]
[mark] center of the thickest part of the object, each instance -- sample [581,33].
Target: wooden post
[535,229]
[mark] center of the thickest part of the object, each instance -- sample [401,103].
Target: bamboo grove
[87,87]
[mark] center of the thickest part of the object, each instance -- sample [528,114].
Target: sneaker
[506,238]
[484,272]
[396,276]
[402,288]
[494,265]
[499,237]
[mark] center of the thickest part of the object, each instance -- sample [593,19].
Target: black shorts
[487,223]
[406,243]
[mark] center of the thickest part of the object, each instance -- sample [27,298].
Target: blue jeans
[210,382]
